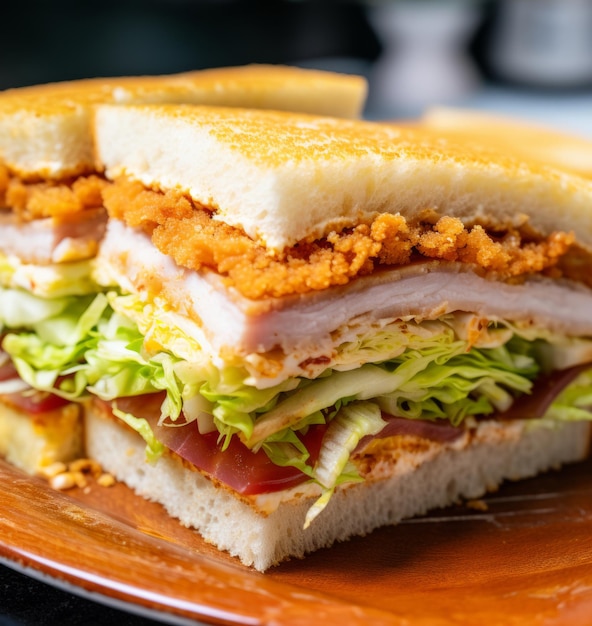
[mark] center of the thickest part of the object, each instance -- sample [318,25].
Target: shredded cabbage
[154,449]
[350,424]
[574,403]
[114,346]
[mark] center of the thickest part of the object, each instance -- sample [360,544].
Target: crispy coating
[189,234]
[509,257]
[44,199]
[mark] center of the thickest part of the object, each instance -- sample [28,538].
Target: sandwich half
[312,327]
[52,217]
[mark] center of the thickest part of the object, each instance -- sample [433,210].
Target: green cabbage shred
[79,345]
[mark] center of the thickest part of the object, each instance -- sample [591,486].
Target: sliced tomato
[544,393]
[245,471]
[248,472]
[34,402]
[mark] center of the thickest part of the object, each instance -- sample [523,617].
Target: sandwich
[309,327]
[52,217]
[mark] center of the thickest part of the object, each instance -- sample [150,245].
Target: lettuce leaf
[58,335]
[574,403]
[154,449]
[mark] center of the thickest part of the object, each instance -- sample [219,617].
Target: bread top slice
[526,140]
[286,178]
[45,129]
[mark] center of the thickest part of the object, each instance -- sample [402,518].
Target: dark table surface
[25,601]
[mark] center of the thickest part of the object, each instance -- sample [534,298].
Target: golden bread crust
[45,129]
[33,442]
[518,137]
[214,86]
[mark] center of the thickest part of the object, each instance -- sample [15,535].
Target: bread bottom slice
[33,442]
[414,484]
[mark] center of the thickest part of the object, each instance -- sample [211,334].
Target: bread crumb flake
[76,474]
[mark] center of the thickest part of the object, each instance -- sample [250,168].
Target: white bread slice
[413,485]
[286,177]
[35,442]
[527,140]
[45,129]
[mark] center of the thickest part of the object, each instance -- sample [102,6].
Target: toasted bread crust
[45,130]
[527,140]
[251,84]
[33,442]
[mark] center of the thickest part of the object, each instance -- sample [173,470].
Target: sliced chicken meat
[45,241]
[287,332]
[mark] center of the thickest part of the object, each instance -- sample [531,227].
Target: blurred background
[531,58]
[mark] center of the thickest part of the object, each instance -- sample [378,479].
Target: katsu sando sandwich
[316,327]
[52,217]
[312,327]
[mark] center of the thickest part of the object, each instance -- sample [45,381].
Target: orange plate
[523,555]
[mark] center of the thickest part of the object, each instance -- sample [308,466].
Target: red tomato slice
[251,473]
[238,467]
[246,472]
[544,393]
[34,402]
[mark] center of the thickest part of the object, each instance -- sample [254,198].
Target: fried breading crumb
[187,233]
[106,480]
[477,505]
[63,481]
[508,257]
[50,199]
[49,471]
[87,466]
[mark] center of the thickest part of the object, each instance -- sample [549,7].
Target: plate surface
[522,555]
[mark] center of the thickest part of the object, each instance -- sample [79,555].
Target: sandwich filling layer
[52,218]
[275,339]
[49,232]
[353,370]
